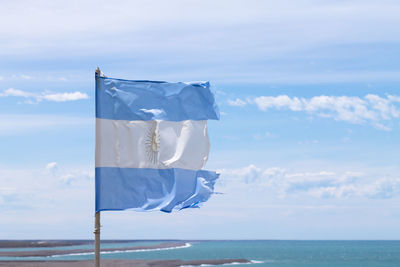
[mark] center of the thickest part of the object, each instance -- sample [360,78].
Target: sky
[308,140]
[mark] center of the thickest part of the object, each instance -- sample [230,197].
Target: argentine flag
[151,144]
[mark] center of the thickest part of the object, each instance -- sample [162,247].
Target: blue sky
[307,144]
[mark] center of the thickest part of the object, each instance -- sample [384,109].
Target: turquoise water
[270,253]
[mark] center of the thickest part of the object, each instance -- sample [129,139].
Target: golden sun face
[153,143]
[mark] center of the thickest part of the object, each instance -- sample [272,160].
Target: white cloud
[370,108]
[68,177]
[16,92]
[51,168]
[39,76]
[382,188]
[62,97]
[38,188]
[76,177]
[237,102]
[322,184]
[278,102]
[54,97]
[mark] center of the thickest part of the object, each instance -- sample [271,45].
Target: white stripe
[151,144]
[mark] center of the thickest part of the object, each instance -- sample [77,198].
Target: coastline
[121,263]
[42,243]
[48,253]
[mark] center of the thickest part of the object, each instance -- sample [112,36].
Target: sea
[269,253]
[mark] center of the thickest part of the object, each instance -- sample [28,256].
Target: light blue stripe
[144,189]
[118,99]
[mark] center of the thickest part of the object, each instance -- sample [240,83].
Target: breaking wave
[230,263]
[186,245]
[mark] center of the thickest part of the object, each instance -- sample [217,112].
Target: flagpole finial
[99,73]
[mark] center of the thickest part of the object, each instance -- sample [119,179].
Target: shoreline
[49,253]
[121,263]
[49,243]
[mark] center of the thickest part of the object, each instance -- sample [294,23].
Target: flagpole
[97,240]
[97,216]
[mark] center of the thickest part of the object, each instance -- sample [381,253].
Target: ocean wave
[187,245]
[230,263]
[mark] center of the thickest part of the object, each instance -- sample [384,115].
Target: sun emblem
[153,143]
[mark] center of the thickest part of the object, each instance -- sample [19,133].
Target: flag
[151,144]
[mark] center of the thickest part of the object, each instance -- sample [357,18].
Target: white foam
[187,245]
[230,263]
